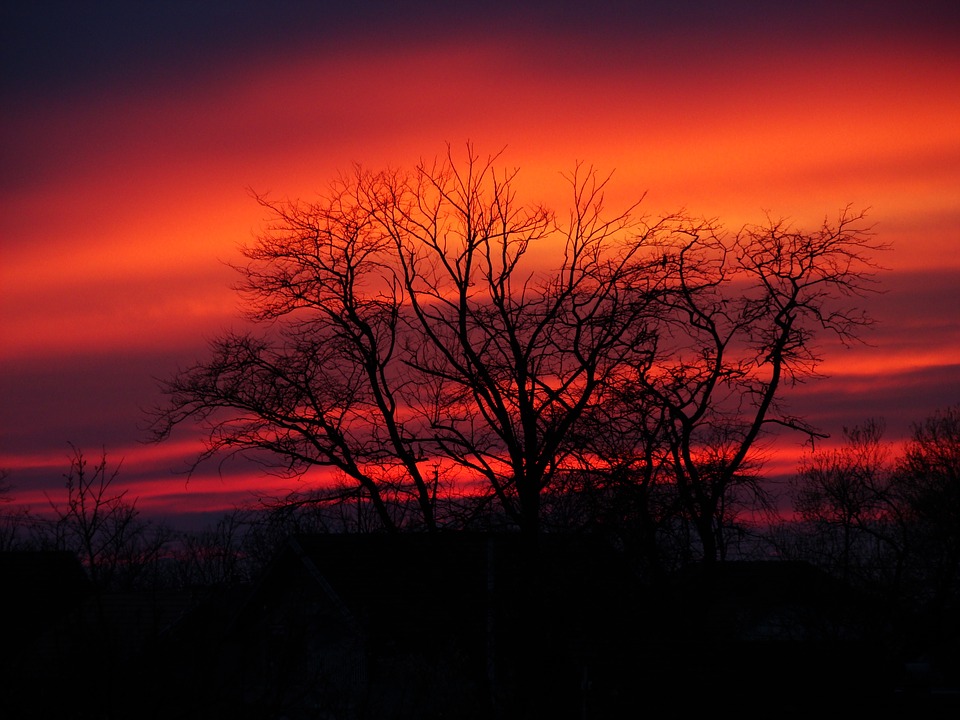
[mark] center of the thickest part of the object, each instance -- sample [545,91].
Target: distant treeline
[875,515]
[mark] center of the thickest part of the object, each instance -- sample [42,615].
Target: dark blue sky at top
[57,48]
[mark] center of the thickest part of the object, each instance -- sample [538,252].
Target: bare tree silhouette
[741,326]
[421,342]
[98,523]
[846,498]
[678,434]
[416,331]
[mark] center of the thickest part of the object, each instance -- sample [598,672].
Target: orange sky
[127,184]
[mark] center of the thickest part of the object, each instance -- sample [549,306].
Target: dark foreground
[473,626]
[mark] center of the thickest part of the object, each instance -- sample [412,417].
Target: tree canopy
[457,355]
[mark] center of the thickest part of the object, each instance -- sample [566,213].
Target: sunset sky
[133,135]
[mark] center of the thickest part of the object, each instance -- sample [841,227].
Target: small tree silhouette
[102,527]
